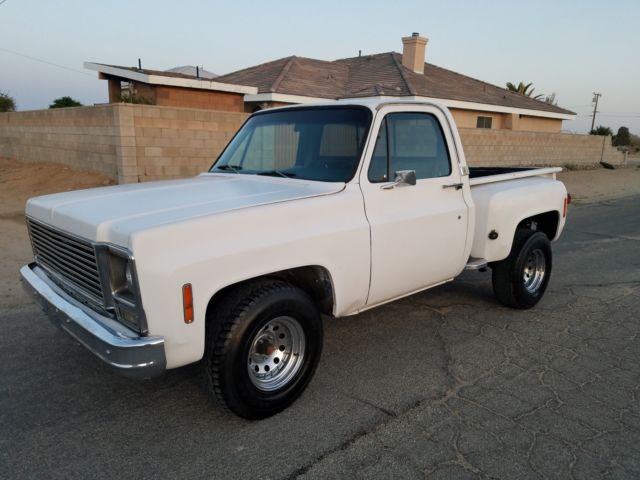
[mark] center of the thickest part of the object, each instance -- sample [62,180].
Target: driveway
[443,384]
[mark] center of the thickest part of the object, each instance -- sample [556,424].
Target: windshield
[322,144]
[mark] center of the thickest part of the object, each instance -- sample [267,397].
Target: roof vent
[413,52]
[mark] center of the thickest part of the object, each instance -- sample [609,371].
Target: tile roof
[375,75]
[294,76]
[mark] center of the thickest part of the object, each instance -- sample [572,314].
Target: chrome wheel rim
[276,354]
[534,271]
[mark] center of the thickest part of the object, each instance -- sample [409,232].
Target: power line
[45,61]
[628,115]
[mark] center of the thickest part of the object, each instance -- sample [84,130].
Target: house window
[484,122]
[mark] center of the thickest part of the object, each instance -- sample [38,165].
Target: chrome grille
[71,259]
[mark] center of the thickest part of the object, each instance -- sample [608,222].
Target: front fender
[213,252]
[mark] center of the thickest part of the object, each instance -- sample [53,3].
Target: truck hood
[112,214]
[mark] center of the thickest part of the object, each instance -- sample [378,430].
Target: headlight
[123,294]
[121,276]
[129,277]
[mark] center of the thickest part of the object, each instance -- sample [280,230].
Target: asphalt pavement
[443,384]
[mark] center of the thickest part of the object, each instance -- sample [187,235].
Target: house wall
[507,121]
[503,148]
[528,123]
[468,118]
[167,96]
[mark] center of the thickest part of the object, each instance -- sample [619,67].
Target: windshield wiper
[233,168]
[273,173]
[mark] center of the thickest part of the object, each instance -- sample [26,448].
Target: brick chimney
[413,52]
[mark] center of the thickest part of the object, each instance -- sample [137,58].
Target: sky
[572,48]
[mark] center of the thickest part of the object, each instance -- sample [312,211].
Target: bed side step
[476,264]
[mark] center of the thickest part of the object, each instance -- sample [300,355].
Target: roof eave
[284,98]
[202,84]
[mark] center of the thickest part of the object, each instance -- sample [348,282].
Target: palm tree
[524,89]
[551,99]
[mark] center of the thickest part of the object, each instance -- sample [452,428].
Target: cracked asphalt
[443,384]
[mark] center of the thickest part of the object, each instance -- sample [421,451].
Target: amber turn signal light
[187,303]
[567,202]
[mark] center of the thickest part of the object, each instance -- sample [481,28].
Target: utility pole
[596,96]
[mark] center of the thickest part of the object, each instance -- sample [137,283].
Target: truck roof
[371,103]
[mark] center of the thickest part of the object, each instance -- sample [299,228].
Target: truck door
[418,232]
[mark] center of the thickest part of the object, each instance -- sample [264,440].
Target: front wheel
[520,280]
[263,345]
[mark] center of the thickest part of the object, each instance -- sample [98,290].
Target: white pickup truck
[327,209]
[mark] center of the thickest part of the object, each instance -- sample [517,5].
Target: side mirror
[404,178]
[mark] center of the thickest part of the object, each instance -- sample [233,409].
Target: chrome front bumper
[121,348]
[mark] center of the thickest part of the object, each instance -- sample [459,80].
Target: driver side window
[409,141]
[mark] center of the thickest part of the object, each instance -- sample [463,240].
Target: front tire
[263,344]
[520,280]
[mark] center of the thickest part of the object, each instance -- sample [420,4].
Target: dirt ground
[601,184]
[19,181]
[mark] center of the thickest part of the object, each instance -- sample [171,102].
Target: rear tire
[520,280]
[263,345]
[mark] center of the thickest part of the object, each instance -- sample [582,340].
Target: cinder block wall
[83,137]
[501,148]
[137,143]
[180,142]
[130,143]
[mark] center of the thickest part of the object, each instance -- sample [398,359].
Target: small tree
[601,131]
[622,138]
[7,103]
[64,102]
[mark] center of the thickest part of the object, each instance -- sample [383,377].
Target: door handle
[457,186]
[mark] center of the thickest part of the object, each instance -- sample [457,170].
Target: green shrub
[64,102]
[7,103]
[601,130]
